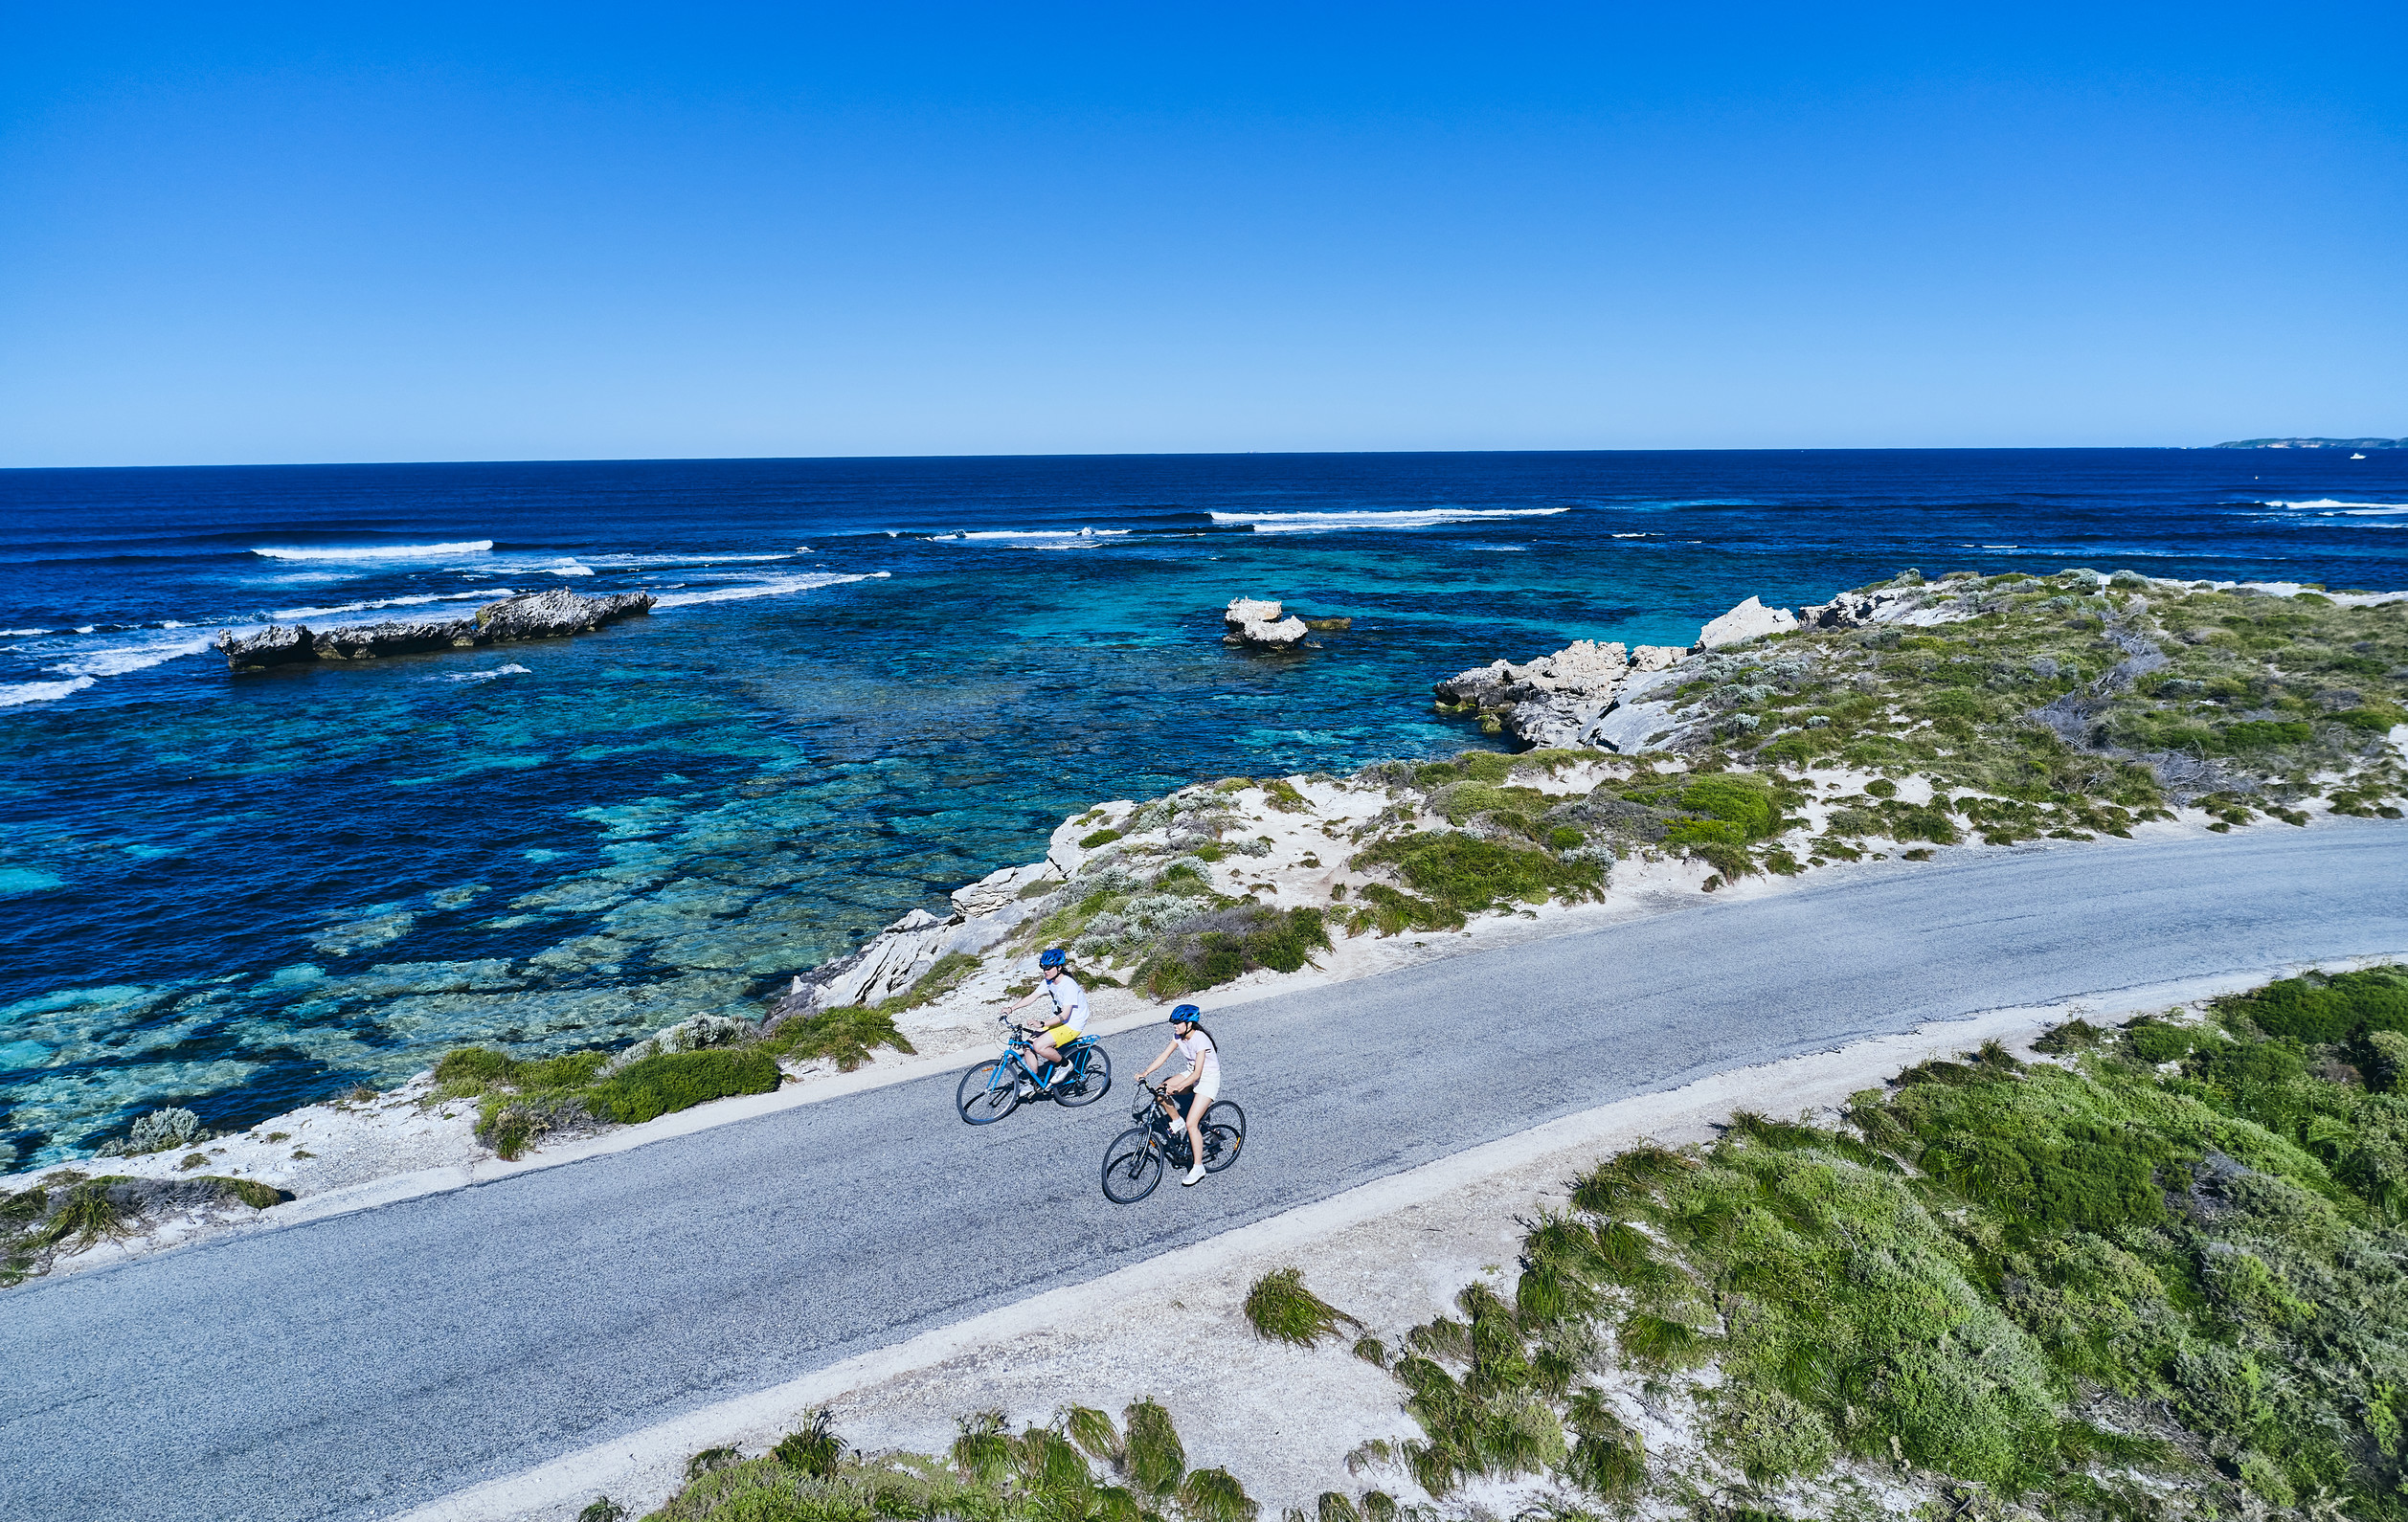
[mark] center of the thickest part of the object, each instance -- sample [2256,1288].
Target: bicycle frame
[1016,1049]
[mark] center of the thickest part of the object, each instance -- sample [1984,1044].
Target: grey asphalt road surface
[357,1366]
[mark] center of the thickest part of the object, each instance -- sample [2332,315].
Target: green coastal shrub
[673,1081]
[847,1036]
[2328,1009]
[1080,1470]
[1213,947]
[1461,875]
[2210,1260]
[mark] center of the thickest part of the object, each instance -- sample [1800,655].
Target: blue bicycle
[998,1085]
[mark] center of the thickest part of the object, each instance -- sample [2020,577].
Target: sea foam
[14,693]
[2352,509]
[772,588]
[1336,521]
[463,547]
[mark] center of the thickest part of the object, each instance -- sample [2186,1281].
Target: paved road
[357,1366]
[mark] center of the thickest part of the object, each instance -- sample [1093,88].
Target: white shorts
[1207,1090]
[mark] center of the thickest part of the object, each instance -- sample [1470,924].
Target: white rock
[1000,889]
[1749,620]
[1064,853]
[1656,657]
[1252,621]
[891,962]
[1582,666]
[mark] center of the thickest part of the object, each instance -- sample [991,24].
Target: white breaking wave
[1040,538]
[513,669]
[2329,502]
[481,594]
[622,561]
[3,633]
[464,546]
[18,692]
[115,660]
[570,568]
[758,588]
[1418,517]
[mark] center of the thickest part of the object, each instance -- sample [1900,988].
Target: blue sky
[251,233]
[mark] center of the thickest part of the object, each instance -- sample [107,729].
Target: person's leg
[1042,1056]
[1199,1117]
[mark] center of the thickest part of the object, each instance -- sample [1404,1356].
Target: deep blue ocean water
[867,682]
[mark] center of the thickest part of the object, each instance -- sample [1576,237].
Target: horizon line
[1168,453]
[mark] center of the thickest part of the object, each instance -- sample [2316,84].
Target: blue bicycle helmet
[1053,956]
[1186,1014]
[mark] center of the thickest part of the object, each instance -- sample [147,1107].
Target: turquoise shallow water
[241,893]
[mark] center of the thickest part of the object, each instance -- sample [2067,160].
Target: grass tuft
[815,1449]
[1280,1309]
[1152,1457]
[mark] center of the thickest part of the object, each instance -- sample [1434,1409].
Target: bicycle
[1133,1164]
[991,1091]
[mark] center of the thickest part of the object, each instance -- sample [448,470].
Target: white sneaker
[1193,1174]
[1179,1127]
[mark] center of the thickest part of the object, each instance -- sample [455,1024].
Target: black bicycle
[994,1088]
[1133,1164]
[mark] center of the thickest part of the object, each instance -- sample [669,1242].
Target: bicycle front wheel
[1225,1136]
[1132,1165]
[1090,1081]
[988,1092]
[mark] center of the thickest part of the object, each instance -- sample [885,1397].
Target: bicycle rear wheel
[1089,1082]
[1224,1135]
[1132,1165]
[988,1092]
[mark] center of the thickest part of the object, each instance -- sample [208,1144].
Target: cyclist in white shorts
[1198,1086]
[1069,1013]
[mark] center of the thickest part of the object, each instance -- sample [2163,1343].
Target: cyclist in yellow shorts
[1070,1012]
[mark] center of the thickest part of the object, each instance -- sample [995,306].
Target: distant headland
[2315,443]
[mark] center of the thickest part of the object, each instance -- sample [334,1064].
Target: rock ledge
[539,615]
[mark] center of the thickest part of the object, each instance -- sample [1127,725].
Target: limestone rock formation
[539,615]
[1551,701]
[1852,610]
[1252,621]
[1002,888]
[1749,620]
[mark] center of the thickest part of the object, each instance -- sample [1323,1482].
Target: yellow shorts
[1061,1036]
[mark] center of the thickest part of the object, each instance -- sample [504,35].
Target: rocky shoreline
[550,614]
[1778,743]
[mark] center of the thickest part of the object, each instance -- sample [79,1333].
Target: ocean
[866,681]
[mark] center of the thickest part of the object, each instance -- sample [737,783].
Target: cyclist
[1069,1015]
[1197,1087]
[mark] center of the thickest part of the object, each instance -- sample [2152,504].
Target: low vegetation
[1280,1309]
[2164,1274]
[70,1211]
[1080,1468]
[523,1100]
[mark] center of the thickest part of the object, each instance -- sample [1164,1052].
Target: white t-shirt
[1069,1004]
[1204,1059]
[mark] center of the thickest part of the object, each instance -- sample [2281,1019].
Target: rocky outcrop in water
[1253,622]
[541,615]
